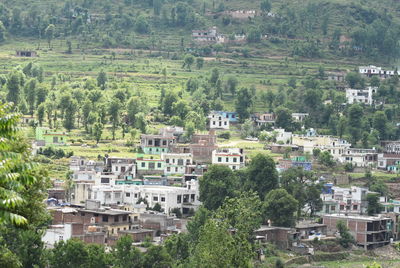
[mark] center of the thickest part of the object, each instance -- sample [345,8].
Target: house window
[168,169]
[116,168]
[150,142]
[176,169]
[180,162]
[124,218]
[105,218]
[233,167]
[355,207]
[105,180]
[116,218]
[341,207]
[219,159]
[128,194]
[162,199]
[152,165]
[123,169]
[227,159]
[60,237]
[143,164]
[333,208]
[234,159]
[136,195]
[164,142]
[155,198]
[179,199]
[159,165]
[167,160]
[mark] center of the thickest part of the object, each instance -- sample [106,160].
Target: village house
[26,53]
[241,14]
[149,166]
[218,121]
[299,117]
[157,144]
[297,161]
[46,136]
[372,70]
[281,136]
[27,120]
[360,95]
[389,158]
[360,157]
[278,148]
[176,163]
[232,157]
[209,36]
[201,147]
[312,140]
[281,237]
[262,119]
[368,232]
[351,200]
[336,76]
[169,197]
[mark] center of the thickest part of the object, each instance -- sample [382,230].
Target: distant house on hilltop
[209,36]
[26,53]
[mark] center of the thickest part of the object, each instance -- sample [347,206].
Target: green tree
[261,175]
[3,32]
[279,207]
[49,32]
[142,25]
[243,103]
[30,93]
[199,62]
[97,131]
[17,172]
[326,159]
[125,254]
[354,123]
[231,84]
[380,123]
[40,113]
[374,207]
[265,6]
[97,257]
[284,118]
[69,114]
[102,80]
[156,256]
[188,61]
[113,111]
[346,239]
[14,87]
[353,79]
[69,254]
[218,248]
[216,184]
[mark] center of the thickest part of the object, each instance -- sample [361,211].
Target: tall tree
[216,184]
[125,254]
[14,87]
[30,93]
[49,32]
[113,111]
[279,207]
[243,103]
[102,79]
[261,175]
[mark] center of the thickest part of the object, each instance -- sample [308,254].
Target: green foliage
[216,184]
[279,207]
[346,239]
[326,159]
[126,255]
[261,175]
[374,207]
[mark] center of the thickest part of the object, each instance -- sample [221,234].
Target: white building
[231,157]
[218,121]
[335,146]
[351,200]
[359,157]
[372,70]
[168,197]
[176,163]
[360,95]
[299,117]
[57,233]
[282,136]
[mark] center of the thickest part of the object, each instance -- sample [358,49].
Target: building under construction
[368,232]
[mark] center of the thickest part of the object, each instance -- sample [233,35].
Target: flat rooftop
[358,217]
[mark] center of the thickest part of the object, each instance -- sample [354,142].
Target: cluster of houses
[380,72]
[213,36]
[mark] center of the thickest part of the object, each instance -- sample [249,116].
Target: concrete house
[234,158]
[218,121]
[299,117]
[26,53]
[360,95]
[209,36]
[389,158]
[176,163]
[46,136]
[372,70]
[359,157]
[157,144]
[368,232]
[150,166]
[262,119]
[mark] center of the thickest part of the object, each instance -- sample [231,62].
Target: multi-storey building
[360,95]
[157,144]
[359,157]
[218,121]
[231,157]
[176,163]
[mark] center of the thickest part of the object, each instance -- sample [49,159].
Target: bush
[177,212]
[225,135]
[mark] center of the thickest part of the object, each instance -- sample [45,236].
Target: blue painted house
[232,116]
